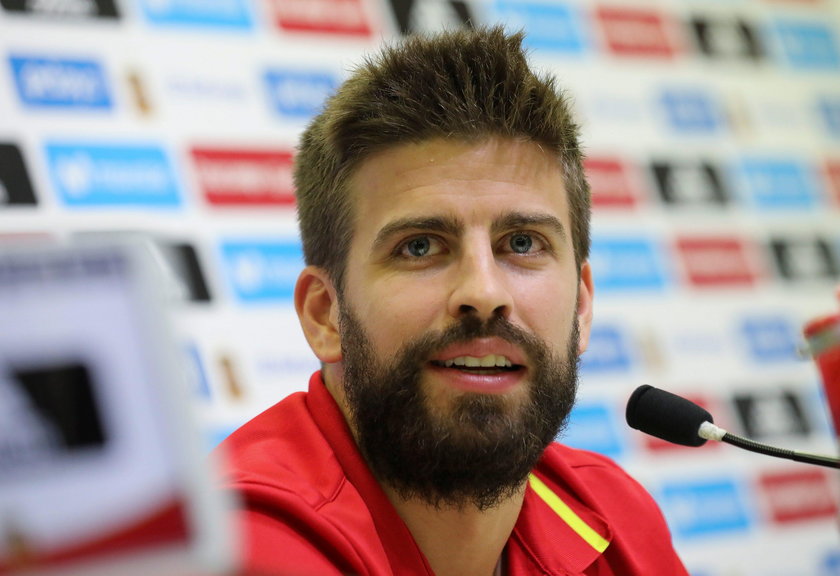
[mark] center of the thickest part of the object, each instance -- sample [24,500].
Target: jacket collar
[555,533]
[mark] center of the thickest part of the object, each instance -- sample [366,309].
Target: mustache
[472,328]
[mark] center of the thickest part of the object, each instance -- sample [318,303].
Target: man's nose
[480,285]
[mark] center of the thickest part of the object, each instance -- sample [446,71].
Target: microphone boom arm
[711,432]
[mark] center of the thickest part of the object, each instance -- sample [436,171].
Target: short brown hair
[464,85]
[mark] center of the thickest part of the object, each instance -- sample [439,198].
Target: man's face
[461,316]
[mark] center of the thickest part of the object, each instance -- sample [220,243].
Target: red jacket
[310,506]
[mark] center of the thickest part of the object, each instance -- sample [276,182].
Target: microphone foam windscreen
[666,416]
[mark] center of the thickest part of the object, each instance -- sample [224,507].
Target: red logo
[634,32]
[610,184]
[245,177]
[832,173]
[716,261]
[321,16]
[798,496]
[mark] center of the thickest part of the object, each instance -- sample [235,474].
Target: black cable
[753,446]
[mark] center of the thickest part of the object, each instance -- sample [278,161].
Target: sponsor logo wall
[713,137]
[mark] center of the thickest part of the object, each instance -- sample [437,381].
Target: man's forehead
[411,163]
[457,181]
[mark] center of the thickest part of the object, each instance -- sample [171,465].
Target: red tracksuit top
[310,506]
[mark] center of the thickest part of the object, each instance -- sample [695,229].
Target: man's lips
[490,354]
[488,361]
[479,380]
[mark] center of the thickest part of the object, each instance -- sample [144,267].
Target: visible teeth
[489,361]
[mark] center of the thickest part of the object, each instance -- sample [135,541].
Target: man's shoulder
[281,454]
[610,504]
[294,494]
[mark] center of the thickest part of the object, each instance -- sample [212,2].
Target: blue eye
[418,247]
[521,243]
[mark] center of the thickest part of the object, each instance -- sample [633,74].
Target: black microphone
[666,416]
[675,419]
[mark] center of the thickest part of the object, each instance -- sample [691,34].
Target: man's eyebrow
[519,220]
[440,224]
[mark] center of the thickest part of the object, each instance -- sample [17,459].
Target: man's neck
[460,541]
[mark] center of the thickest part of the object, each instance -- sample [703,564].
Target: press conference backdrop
[712,129]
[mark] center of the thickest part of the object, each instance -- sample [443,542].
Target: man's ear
[316,303]
[584,306]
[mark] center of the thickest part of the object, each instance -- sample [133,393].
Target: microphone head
[666,416]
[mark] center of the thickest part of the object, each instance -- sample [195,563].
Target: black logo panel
[15,186]
[689,184]
[64,8]
[772,414]
[733,39]
[805,259]
[184,269]
[406,14]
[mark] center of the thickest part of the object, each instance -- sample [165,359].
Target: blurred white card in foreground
[101,465]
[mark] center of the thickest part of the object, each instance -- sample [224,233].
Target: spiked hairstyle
[464,85]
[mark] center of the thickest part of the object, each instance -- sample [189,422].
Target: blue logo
[701,508]
[808,45]
[551,26]
[298,95]
[778,183]
[60,83]
[608,351]
[770,339]
[830,111]
[830,565]
[112,175]
[594,427]
[627,264]
[211,13]
[263,271]
[690,110]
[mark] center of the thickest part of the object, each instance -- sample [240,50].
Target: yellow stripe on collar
[568,515]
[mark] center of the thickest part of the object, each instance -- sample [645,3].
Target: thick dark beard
[481,451]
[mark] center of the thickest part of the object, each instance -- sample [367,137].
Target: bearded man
[444,216]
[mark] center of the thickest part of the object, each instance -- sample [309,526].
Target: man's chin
[470,415]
